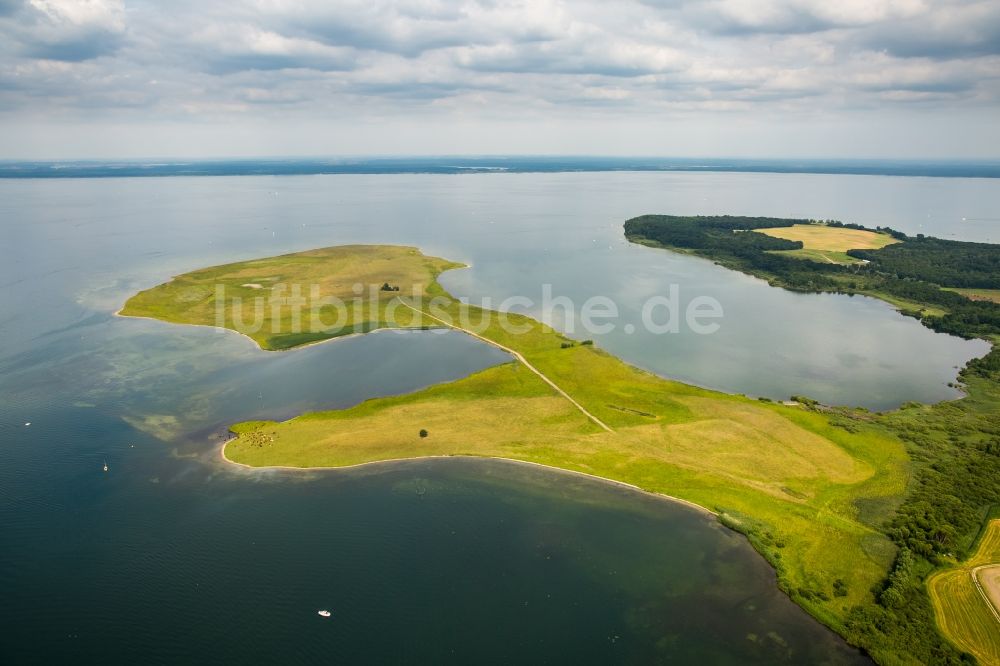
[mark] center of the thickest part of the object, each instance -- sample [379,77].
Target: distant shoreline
[135,168]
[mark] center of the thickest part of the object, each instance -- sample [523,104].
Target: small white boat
[324,613]
[105,465]
[27,424]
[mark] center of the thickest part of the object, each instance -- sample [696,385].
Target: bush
[423,433]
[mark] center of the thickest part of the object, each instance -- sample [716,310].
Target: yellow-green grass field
[282,302]
[992,295]
[822,256]
[834,239]
[827,244]
[806,490]
[966,599]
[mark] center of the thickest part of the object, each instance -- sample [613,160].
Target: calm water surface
[170,557]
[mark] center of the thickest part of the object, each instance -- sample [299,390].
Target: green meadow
[265,299]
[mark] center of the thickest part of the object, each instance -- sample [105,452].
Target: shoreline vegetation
[954,447]
[828,495]
[402,461]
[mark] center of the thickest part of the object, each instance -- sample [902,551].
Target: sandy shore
[400,461]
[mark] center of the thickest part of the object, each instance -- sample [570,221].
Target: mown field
[833,239]
[827,244]
[961,610]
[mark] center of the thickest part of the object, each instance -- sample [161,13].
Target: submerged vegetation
[954,447]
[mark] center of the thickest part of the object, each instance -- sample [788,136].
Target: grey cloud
[536,62]
[408,28]
[407,33]
[53,33]
[774,17]
[228,63]
[334,32]
[10,7]
[791,21]
[977,35]
[75,47]
[512,57]
[411,90]
[927,86]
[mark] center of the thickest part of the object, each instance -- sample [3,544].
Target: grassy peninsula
[828,495]
[265,299]
[954,447]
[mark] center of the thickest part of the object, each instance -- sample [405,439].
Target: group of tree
[948,263]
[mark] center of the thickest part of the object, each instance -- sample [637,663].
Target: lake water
[172,557]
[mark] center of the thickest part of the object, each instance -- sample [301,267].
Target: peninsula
[827,494]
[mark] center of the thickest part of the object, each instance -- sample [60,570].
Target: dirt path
[520,358]
[987,580]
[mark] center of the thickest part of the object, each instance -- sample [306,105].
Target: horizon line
[487,164]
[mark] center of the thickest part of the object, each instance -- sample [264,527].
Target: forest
[946,263]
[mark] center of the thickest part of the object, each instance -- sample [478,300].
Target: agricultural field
[821,237]
[966,599]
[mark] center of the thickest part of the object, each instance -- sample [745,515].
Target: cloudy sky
[112,78]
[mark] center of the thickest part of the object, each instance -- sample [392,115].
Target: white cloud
[492,60]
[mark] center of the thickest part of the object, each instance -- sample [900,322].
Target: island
[852,508]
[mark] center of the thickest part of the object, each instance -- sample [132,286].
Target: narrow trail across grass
[517,355]
[982,592]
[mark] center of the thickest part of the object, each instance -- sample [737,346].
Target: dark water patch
[448,561]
